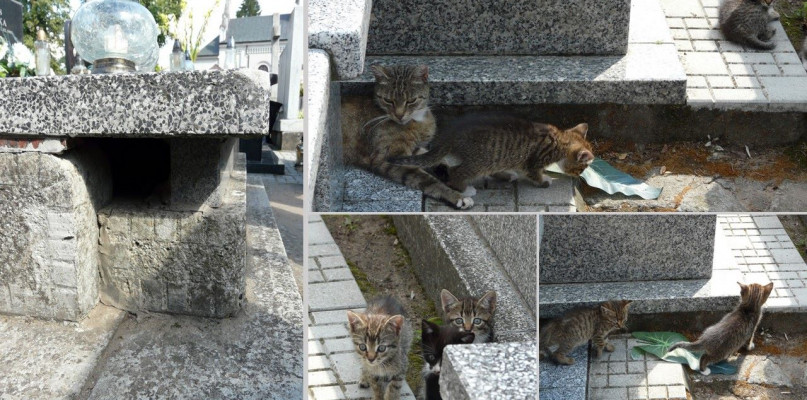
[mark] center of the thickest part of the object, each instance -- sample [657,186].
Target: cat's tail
[691,346]
[417,178]
[759,44]
[428,159]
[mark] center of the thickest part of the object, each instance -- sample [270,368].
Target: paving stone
[338,274]
[703,63]
[682,8]
[720,82]
[696,81]
[336,261]
[335,295]
[784,256]
[785,89]
[749,58]
[321,378]
[327,393]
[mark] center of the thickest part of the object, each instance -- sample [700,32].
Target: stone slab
[255,354]
[324,136]
[719,293]
[340,28]
[335,296]
[199,103]
[513,238]
[490,371]
[51,359]
[48,206]
[200,171]
[626,248]
[648,74]
[574,27]
[452,255]
[565,382]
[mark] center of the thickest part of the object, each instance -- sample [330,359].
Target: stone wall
[185,261]
[49,260]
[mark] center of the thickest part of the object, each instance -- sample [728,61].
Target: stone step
[648,74]
[453,253]
[182,356]
[717,293]
[512,27]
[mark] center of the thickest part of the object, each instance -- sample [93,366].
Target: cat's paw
[750,346]
[469,191]
[566,360]
[420,150]
[545,182]
[364,385]
[774,15]
[609,347]
[706,371]
[465,203]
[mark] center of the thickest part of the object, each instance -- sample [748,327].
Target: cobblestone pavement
[333,365]
[725,75]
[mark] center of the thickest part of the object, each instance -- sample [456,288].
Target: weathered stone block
[199,171]
[178,261]
[490,370]
[49,263]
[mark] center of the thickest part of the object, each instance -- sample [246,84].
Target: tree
[249,8]
[164,11]
[189,36]
[50,16]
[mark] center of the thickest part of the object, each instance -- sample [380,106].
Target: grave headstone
[11,20]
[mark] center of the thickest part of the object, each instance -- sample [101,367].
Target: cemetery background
[213,303]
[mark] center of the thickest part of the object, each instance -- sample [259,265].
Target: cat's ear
[379,72]
[422,72]
[447,299]
[768,288]
[428,328]
[582,129]
[488,301]
[626,303]
[468,338]
[354,320]
[396,322]
[585,156]
[607,311]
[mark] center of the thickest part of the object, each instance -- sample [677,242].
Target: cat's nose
[467,327]
[371,358]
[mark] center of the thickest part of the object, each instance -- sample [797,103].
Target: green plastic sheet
[657,344]
[603,176]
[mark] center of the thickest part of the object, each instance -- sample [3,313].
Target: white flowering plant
[16,60]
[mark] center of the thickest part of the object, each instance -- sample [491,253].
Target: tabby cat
[734,331]
[406,127]
[746,22]
[470,314]
[434,339]
[475,146]
[579,326]
[382,338]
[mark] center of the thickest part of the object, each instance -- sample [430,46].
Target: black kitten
[434,339]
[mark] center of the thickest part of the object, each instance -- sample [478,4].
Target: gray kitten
[470,314]
[579,326]
[735,331]
[474,146]
[382,339]
[746,22]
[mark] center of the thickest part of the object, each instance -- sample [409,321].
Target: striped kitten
[746,22]
[734,331]
[382,338]
[434,339]
[406,127]
[579,326]
[481,145]
[470,314]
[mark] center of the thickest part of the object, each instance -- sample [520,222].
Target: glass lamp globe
[115,35]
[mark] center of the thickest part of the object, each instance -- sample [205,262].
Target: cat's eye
[363,347]
[381,348]
[430,358]
[458,321]
[411,101]
[385,101]
[477,321]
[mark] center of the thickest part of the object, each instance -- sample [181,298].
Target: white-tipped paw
[465,203]
[469,191]
[750,346]
[706,371]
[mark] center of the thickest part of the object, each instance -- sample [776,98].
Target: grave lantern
[115,35]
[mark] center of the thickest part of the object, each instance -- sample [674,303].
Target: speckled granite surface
[211,103]
[719,293]
[323,136]
[648,74]
[490,371]
[499,27]
[623,248]
[340,28]
[565,382]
